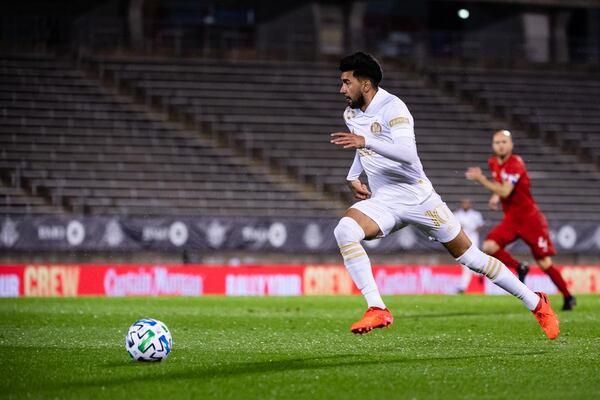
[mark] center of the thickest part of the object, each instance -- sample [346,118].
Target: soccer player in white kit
[471,221]
[399,193]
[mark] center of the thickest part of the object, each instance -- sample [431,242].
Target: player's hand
[348,140]
[359,189]
[493,202]
[474,174]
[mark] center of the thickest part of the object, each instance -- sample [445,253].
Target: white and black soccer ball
[148,340]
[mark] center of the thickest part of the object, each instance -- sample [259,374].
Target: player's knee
[348,231]
[490,247]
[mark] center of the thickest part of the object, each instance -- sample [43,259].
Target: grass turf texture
[464,347]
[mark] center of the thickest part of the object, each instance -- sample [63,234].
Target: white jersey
[470,220]
[386,118]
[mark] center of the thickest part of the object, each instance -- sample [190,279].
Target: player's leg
[493,249]
[358,223]
[352,228]
[537,236]
[501,276]
[547,266]
[436,220]
[464,252]
[495,243]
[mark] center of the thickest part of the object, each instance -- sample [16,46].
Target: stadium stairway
[71,145]
[17,200]
[283,112]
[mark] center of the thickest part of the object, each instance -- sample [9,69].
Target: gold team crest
[375,128]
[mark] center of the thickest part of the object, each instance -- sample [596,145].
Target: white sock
[497,272]
[348,234]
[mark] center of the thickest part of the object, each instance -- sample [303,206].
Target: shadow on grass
[258,368]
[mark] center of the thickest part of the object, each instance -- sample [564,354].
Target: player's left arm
[503,189]
[399,122]
[402,148]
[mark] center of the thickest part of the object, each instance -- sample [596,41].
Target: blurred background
[148,131]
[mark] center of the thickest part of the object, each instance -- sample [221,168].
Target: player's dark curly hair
[363,66]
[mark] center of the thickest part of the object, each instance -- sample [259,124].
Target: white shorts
[432,216]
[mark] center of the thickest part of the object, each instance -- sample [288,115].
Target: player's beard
[503,155]
[358,103]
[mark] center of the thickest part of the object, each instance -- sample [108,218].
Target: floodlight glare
[463,13]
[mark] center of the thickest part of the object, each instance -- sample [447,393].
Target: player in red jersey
[522,217]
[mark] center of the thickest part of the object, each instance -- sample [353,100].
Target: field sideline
[446,347]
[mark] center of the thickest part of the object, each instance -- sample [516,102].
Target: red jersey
[520,202]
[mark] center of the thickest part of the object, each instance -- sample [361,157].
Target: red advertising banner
[272,280]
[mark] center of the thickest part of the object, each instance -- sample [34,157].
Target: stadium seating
[561,105]
[284,112]
[15,200]
[72,144]
[80,148]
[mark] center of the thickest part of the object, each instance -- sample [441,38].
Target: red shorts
[532,230]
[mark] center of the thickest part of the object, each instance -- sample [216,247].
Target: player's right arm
[493,202]
[503,189]
[359,189]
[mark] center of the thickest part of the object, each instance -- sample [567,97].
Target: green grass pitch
[440,347]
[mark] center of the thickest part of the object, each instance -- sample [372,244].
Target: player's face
[502,145]
[351,89]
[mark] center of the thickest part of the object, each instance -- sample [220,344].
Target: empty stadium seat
[69,140]
[285,111]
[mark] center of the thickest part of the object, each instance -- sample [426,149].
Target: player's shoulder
[516,161]
[492,161]
[394,110]
[392,102]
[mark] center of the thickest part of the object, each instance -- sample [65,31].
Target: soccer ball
[148,340]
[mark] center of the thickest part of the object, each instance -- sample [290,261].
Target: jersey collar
[505,161]
[376,103]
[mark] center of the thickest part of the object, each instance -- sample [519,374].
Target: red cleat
[546,317]
[375,317]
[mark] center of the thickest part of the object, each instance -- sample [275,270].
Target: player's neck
[502,160]
[368,99]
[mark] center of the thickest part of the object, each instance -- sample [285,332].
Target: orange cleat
[375,317]
[546,317]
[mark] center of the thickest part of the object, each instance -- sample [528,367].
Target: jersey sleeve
[356,169]
[514,170]
[398,119]
[403,147]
